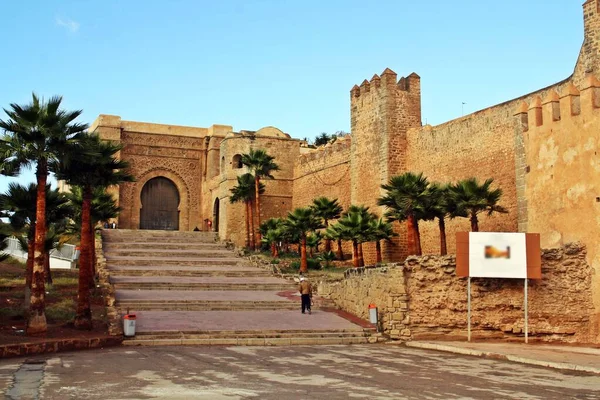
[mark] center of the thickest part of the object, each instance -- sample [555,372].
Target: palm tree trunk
[418,236]
[303,262]
[83,320]
[378,251]
[248,212]
[474,223]
[361,260]
[443,247]
[411,237]
[252,243]
[257,195]
[29,272]
[355,261]
[340,252]
[311,252]
[37,306]
[327,241]
[47,268]
[275,250]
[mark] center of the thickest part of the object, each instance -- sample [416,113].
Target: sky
[283,63]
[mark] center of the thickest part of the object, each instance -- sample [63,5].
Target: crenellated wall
[561,170]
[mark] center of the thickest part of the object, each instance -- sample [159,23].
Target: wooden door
[160,204]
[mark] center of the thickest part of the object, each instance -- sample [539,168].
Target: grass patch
[14,261]
[63,310]
[65,281]
[11,312]
[12,281]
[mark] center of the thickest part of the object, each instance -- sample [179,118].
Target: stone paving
[291,372]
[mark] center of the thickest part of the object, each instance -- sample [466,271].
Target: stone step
[200,286]
[158,240]
[172,254]
[249,341]
[256,334]
[142,233]
[175,305]
[171,261]
[172,270]
[108,247]
[201,283]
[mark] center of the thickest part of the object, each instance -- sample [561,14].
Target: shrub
[311,262]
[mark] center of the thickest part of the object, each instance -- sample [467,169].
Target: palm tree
[20,201]
[94,167]
[327,209]
[334,235]
[406,199]
[367,217]
[354,225]
[303,220]
[37,133]
[312,242]
[471,199]
[244,192]
[272,233]
[261,165]
[104,208]
[441,205]
[380,230]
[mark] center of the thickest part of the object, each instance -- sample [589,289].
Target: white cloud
[69,24]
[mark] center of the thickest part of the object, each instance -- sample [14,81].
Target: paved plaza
[296,372]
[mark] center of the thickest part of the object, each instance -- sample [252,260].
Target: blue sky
[290,64]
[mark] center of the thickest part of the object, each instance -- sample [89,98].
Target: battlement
[555,107]
[340,145]
[386,82]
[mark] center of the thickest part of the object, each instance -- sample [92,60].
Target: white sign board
[497,255]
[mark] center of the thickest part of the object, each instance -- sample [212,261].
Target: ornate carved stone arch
[182,188]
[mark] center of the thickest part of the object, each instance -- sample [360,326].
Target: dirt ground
[61,303]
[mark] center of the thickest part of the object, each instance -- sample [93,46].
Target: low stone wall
[423,298]
[115,324]
[383,287]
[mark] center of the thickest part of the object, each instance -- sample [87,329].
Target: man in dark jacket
[305,289]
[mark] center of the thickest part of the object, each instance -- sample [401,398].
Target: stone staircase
[186,288]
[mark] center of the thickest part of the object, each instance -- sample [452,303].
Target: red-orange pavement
[196,279]
[148,321]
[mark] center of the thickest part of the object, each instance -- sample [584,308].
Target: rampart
[324,171]
[422,298]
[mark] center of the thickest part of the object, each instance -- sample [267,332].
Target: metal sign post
[469,309]
[526,314]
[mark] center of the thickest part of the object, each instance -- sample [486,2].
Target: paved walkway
[196,279]
[277,320]
[572,358]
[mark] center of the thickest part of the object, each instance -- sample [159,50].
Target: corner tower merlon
[589,56]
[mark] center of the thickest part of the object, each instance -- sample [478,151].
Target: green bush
[61,311]
[275,261]
[311,263]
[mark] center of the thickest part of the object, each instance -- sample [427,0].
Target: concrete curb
[506,357]
[57,345]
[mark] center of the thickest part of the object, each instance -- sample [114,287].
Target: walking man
[305,293]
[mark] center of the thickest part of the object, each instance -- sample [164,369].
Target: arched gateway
[160,205]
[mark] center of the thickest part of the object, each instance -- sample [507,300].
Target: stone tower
[382,110]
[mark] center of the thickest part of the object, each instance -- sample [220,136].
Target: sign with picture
[497,255]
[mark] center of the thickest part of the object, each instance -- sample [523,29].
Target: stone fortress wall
[541,149]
